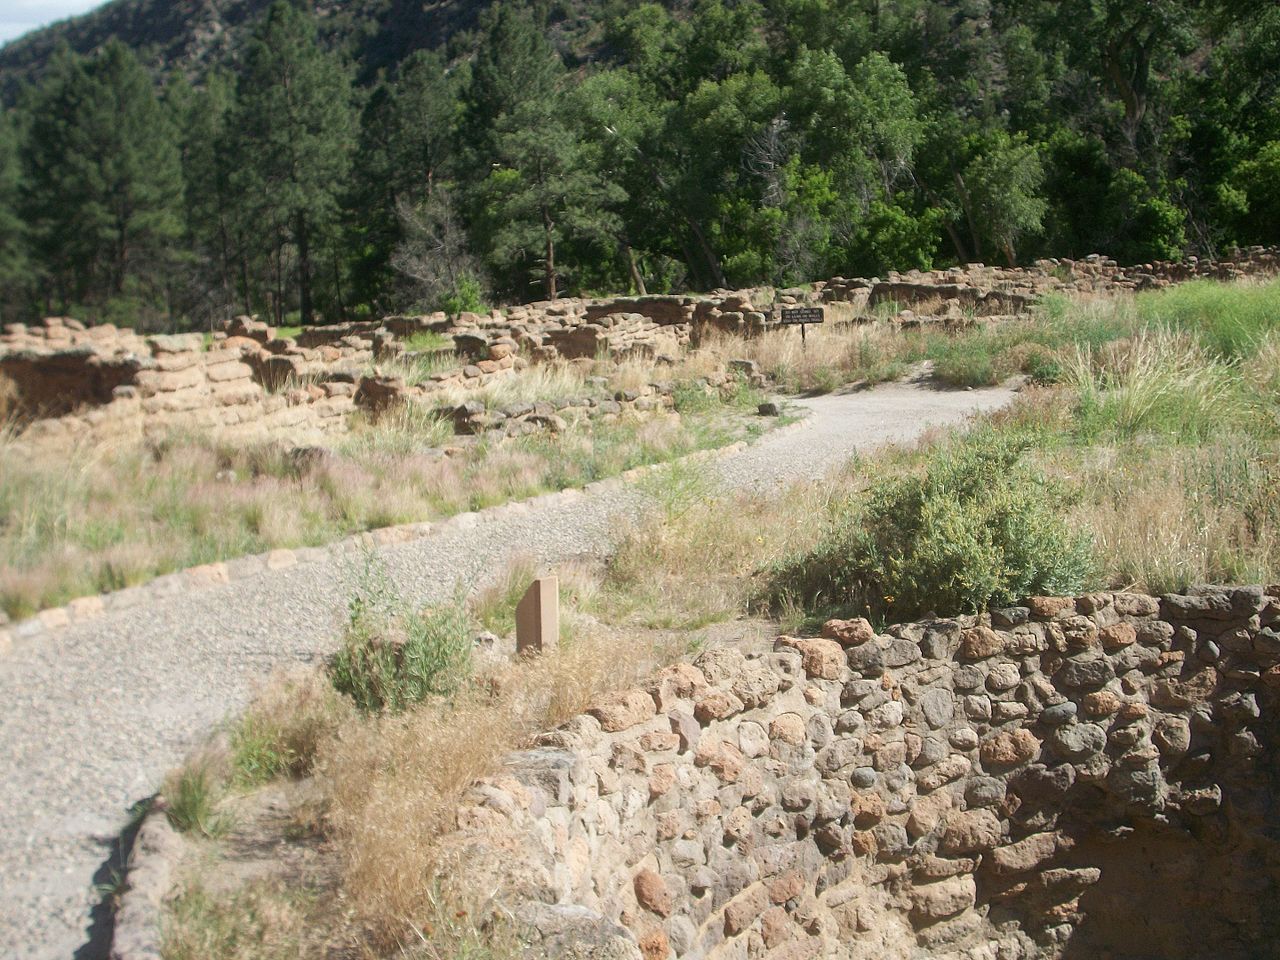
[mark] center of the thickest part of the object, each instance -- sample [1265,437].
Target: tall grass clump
[394,656]
[495,606]
[193,793]
[1229,320]
[1156,382]
[257,922]
[976,525]
[279,733]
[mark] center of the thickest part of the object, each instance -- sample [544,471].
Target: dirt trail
[93,717]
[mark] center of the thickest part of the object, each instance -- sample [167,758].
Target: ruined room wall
[1067,778]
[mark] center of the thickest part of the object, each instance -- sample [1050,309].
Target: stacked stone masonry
[70,381]
[1080,777]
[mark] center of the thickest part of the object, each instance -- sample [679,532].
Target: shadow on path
[108,881]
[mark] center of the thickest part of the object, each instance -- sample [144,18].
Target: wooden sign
[803,315]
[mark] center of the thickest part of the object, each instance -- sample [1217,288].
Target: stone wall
[114,384]
[1068,778]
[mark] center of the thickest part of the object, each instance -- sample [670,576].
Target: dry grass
[831,355]
[285,723]
[393,781]
[261,921]
[124,513]
[549,381]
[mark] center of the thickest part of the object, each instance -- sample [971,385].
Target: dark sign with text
[803,315]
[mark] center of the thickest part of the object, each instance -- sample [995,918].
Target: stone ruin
[961,296]
[64,381]
[1071,778]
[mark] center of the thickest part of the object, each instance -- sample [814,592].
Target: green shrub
[393,656]
[978,526]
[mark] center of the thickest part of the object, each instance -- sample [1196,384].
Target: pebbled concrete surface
[93,717]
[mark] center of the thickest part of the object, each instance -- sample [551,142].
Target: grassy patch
[193,793]
[427,341]
[495,606]
[258,922]
[280,731]
[126,513]
[1231,321]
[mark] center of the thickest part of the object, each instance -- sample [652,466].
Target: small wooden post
[538,617]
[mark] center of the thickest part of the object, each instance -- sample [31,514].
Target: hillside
[193,35]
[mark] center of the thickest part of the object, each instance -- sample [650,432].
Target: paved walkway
[93,717]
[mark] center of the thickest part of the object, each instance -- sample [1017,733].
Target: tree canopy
[650,147]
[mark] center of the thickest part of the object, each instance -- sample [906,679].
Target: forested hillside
[377,156]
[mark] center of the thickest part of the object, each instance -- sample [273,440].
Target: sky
[19,16]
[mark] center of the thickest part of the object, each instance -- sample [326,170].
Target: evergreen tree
[103,179]
[514,65]
[543,193]
[213,235]
[408,139]
[13,238]
[294,132]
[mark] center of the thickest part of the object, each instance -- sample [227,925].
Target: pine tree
[515,64]
[408,141]
[13,238]
[104,183]
[545,192]
[212,233]
[294,130]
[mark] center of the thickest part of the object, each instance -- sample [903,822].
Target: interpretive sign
[803,315]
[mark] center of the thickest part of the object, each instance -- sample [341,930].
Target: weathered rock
[1009,748]
[623,710]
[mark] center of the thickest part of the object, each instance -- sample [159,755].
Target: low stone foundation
[1082,777]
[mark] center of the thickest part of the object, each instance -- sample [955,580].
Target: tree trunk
[337,286]
[967,205]
[637,278]
[122,259]
[549,262]
[713,262]
[956,241]
[304,272]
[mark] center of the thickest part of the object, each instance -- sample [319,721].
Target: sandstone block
[228,372]
[931,902]
[680,681]
[823,659]
[1118,635]
[741,912]
[1047,608]
[1026,854]
[979,643]
[973,831]
[716,705]
[788,728]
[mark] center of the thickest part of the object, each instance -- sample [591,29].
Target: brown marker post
[538,617]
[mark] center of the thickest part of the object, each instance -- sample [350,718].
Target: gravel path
[93,717]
